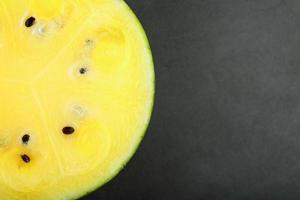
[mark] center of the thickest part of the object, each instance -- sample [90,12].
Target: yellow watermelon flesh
[77,87]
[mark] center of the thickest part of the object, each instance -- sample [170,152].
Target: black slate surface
[226,122]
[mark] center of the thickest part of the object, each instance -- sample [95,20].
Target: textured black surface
[226,123]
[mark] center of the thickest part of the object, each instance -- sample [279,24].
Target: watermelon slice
[77,88]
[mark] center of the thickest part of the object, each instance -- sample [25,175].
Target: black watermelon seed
[29,22]
[25,158]
[68,130]
[25,138]
[89,42]
[82,70]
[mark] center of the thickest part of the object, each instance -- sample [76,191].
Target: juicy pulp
[43,89]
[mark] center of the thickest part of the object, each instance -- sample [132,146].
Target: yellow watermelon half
[77,89]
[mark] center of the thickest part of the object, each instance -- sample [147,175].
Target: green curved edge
[130,155]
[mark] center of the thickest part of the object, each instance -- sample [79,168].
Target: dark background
[226,121]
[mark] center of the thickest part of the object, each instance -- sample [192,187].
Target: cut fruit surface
[77,88]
